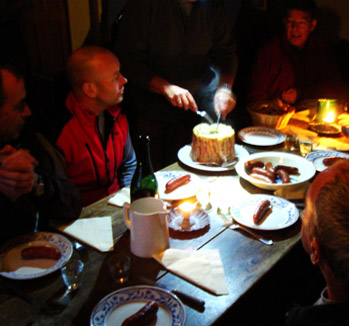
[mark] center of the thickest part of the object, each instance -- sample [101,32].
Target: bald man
[95,141]
[325,238]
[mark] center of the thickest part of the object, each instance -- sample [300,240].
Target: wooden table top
[245,260]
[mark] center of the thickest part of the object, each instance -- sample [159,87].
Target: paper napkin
[96,232]
[203,268]
[122,196]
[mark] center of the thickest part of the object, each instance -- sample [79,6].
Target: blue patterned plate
[261,136]
[283,212]
[119,305]
[317,158]
[14,267]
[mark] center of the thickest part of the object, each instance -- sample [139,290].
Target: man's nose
[26,111]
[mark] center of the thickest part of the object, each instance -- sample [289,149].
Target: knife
[187,299]
[205,115]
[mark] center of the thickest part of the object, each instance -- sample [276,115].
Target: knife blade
[205,115]
[187,299]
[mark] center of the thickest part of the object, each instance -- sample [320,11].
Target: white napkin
[122,196]
[291,193]
[95,231]
[203,268]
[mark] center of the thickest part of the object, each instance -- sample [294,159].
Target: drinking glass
[119,267]
[72,274]
[305,146]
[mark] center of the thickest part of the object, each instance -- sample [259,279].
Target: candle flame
[187,207]
[329,117]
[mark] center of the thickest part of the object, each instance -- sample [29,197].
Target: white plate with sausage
[261,136]
[186,189]
[320,158]
[119,305]
[281,214]
[34,255]
[185,158]
[306,169]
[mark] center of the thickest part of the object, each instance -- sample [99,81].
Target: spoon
[235,226]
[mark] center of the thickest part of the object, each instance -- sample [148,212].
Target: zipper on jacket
[94,164]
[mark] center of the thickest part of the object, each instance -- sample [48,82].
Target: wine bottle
[144,183]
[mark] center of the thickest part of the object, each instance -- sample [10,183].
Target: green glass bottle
[144,183]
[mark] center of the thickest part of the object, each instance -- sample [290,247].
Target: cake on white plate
[213,145]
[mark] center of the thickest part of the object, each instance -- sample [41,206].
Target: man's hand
[17,176]
[289,95]
[180,97]
[224,102]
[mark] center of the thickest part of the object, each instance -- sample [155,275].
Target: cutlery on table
[205,115]
[236,225]
[187,299]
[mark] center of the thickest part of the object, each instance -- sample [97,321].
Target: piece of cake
[212,145]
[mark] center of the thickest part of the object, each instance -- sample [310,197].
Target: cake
[213,145]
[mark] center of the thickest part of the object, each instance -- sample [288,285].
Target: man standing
[95,141]
[325,237]
[31,185]
[180,57]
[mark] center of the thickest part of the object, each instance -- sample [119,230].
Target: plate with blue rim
[318,157]
[13,266]
[114,308]
[282,215]
[261,136]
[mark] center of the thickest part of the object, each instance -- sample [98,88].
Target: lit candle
[187,210]
[326,110]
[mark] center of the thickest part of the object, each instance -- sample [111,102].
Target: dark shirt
[279,66]
[332,314]
[157,37]
[60,200]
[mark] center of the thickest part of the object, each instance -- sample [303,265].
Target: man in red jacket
[297,64]
[95,141]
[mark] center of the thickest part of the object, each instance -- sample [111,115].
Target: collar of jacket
[77,110]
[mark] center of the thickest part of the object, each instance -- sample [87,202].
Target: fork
[235,226]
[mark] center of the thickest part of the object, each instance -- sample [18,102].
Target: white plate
[188,190]
[113,309]
[261,136]
[16,268]
[317,158]
[184,157]
[306,169]
[283,213]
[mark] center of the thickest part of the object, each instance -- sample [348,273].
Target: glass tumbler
[72,274]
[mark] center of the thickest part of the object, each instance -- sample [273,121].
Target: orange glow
[187,207]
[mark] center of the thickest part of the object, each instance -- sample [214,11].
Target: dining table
[257,275]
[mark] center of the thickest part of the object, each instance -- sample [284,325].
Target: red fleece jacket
[91,166]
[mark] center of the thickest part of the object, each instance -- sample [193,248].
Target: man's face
[298,26]
[15,109]
[109,81]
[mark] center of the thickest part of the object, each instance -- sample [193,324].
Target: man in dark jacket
[31,184]
[179,57]
[325,237]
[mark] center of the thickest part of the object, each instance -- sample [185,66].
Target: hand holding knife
[187,299]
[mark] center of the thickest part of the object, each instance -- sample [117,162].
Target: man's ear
[89,89]
[315,254]
[313,24]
